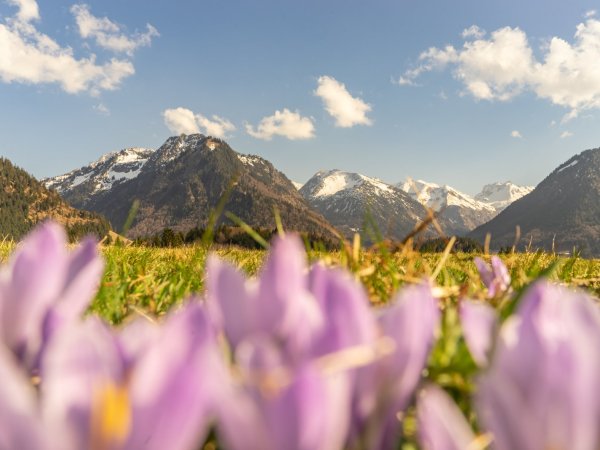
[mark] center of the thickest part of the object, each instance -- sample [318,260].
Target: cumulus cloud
[28,10]
[347,111]
[182,120]
[108,34]
[566,134]
[503,66]
[516,134]
[473,32]
[31,57]
[286,123]
[590,13]
[217,127]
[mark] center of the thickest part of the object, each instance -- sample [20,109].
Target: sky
[462,93]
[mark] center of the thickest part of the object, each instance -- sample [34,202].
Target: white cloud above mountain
[215,126]
[504,65]
[516,134]
[29,56]
[180,121]
[183,120]
[347,110]
[288,124]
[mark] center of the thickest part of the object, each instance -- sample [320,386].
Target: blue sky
[509,90]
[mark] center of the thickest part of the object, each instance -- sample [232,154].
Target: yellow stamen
[111,416]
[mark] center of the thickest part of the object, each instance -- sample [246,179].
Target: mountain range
[180,183]
[347,200]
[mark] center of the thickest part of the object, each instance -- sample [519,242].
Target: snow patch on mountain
[108,170]
[335,181]
[501,194]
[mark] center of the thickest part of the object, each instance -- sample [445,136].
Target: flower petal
[441,424]
[480,324]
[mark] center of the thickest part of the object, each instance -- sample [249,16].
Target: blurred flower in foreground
[44,287]
[540,391]
[496,278]
[312,356]
[441,424]
[151,386]
[480,325]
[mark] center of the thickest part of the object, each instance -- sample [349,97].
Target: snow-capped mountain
[297,185]
[348,199]
[462,211]
[179,184]
[500,195]
[101,175]
[438,197]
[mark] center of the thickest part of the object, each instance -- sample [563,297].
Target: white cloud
[473,32]
[108,34]
[217,127]
[590,13]
[28,10]
[286,123]
[183,120]
[516,134]
[503,65]
[566,134]
[347,111]
[31,57]
[180,121]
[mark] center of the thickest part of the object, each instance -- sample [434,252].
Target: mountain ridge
[179,184]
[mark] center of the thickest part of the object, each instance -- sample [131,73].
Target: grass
[144,280]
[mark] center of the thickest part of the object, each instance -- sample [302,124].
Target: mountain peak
[501,194]
[331,182]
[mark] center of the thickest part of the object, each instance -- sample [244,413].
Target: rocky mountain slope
[346,199]
[563,211]
[179,184]
[24,202]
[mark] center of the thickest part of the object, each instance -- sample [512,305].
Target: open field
[144,280]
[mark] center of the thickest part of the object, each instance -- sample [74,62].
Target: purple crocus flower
[285,330]
[496,278]
[101,390]
[279,304]
[441,424]
[297,331]
[540,391]
[274,406]
[21,426]
[385,388]
[44,287]
[480,325]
